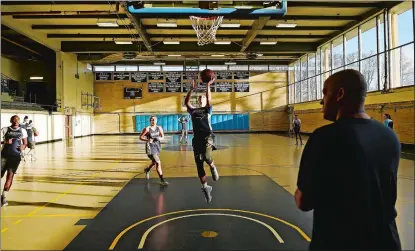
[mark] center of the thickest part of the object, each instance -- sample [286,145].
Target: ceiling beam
[83,16]
[21,46]
[98,47]
[338,4]
[77,27]
[138,27]
[284,47]
[256,28]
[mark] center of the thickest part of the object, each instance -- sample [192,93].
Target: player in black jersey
[202,133]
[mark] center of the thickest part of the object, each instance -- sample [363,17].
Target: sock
[204,185]
[4,193]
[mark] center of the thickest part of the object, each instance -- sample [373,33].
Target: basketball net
[206,28]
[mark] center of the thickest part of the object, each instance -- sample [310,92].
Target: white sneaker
[4,201]
[207,190]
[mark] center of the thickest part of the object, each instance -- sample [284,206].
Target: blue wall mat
[222,122]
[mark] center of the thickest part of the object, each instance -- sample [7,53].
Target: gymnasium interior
[90,74]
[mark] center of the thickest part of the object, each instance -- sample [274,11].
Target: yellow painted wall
[11,68]
[399,103]
[266,102]
[69,88]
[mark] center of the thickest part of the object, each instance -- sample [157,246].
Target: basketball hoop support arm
[206,12]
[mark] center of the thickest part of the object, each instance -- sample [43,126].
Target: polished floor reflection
[57,201]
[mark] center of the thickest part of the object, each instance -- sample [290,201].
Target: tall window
[311,77]
[404,60]
[352,50]
[318,72]
[297,82]
[304,86]
[369,50]
[338,54]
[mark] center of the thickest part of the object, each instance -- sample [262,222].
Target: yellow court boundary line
[47,215]
[115,241]
[144,237]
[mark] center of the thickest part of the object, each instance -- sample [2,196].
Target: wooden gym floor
[90,193]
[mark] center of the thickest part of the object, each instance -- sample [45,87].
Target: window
[278,68]
[405,29]
[352,50]
[217,67]
[173,68]
[318,72]
[238,67]
[370,72]
[312,73]
[104,68]
[369,48]
[407,65]
[298,92]
[326,60]
[149,68]
[304,85]
[202,67]
[338,54]
[368,38]
[258,67]
[126,68]
[381,33]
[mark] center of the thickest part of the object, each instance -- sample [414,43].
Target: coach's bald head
[344,94]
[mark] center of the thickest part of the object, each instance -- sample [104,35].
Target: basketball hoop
[206,28]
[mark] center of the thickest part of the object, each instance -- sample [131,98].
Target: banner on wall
[243,75]
[224,87]
[241,87]
[156,87]
[121,76]
[103,76]
[133,93]
[223,75]
[139,77]
[155,76]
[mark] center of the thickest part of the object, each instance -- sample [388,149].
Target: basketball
[206,75]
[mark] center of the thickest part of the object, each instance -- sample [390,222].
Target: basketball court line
[121,234]
[144,237]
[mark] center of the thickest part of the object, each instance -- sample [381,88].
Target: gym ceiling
[72,26]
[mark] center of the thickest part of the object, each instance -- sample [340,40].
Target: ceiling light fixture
[243,7]
[166,25]
[286,25]
[230,25]
[223,42]
[218,55]
[159,63]
[123,42]
[268,43]
[171,42]
[108,24]
[260,54]
[230,63]
[36,78]
[174,55]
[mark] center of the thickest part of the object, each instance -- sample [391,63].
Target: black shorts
[10,164]
[200,144]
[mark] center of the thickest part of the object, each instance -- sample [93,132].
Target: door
[68,126]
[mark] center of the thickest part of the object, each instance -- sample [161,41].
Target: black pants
[297,134]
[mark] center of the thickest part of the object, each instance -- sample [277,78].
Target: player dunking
[202,132]
[152,135]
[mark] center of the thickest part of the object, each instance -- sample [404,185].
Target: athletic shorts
[200,145]
[10,163]
[154,157]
